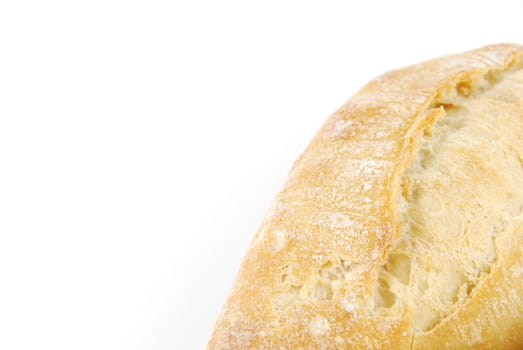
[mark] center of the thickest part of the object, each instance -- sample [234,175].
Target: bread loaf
[401,225]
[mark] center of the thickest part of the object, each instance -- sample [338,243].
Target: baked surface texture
[401,225]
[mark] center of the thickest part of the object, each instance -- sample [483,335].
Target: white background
[142,141]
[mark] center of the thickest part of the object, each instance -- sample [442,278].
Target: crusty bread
[401,225]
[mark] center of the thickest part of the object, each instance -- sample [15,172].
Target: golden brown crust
[309,277]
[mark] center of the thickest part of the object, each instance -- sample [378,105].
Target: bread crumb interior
[461,196]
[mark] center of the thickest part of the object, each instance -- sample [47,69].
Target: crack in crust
[463,190]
